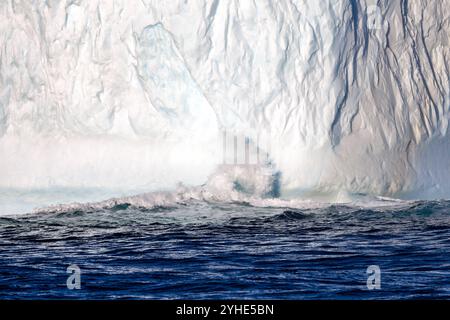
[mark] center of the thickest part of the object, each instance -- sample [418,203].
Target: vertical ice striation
[169,85]
[355,95]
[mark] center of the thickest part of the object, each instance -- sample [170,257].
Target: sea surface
[207,250]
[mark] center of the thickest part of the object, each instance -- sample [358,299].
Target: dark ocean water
[216,251]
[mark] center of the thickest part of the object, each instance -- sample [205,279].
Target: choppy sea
[210,250]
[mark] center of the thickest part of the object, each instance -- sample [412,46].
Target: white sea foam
[250,185]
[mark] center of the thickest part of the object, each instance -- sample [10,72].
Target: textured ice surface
[133,94]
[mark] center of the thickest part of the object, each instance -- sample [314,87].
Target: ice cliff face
[355,95]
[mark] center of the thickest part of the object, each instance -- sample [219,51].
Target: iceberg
[352,97]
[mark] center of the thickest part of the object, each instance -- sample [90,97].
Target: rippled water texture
[210,250]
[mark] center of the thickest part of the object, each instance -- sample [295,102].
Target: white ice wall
[133,93]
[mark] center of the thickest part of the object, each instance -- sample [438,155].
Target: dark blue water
[213,251]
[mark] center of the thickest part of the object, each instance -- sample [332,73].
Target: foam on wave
[254,186]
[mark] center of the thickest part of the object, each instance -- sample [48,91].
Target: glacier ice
[134,94]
